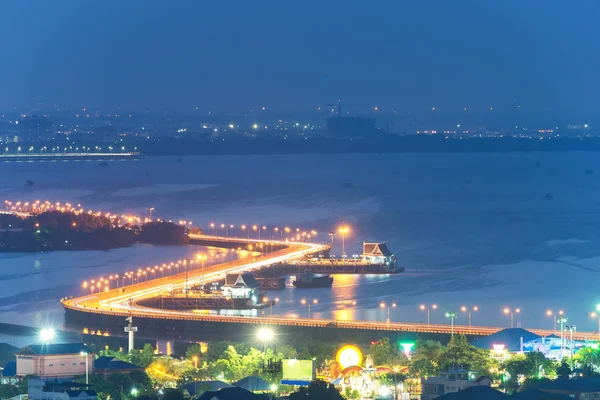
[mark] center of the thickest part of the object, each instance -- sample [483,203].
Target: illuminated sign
[498,348]
[297,372]
[406,347]
[349,356]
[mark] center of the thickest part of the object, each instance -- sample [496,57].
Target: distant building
[450,382]
[231,393]
[241,286]
[35,129]
[54,360]
[478,392]
[581,389]
[378,253]
[37,389]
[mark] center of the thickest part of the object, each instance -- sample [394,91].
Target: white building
[450,382]
[55,360]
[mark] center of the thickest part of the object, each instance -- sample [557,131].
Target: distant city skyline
[294,56]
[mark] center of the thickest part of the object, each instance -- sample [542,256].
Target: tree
[317,390]
[8,391]
[193,351]
[172,394]
[563,371]
[385,353]
[425,359]
[144,357]
[461,353]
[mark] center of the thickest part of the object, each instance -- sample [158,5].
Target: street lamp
[452,315]
[85,354]
[467,310]
[562,321]
[510,312]
[571,328]
[343,230]
[47,335]
[195,360]
[424,307]
[303,301]
[384,305]
[595,315]
[551,313]
[265,335]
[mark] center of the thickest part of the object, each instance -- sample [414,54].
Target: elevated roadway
[123,302]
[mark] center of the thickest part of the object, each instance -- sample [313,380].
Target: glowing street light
[468,310]
[551,313]
[510,312]
[343,230]
[452,315]
[47,335]
[424,307]
[384,305]
[303,301]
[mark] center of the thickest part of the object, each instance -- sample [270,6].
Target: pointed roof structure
[245,279]
[376,250]
[253,384]
[55,348]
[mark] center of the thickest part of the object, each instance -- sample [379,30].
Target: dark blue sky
[407,55]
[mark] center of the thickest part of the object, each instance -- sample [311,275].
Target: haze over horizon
[539,58]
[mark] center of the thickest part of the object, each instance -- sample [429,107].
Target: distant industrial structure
[349,126]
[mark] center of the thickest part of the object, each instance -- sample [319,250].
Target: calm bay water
[470,229]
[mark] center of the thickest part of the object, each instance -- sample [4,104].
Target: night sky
[403,55]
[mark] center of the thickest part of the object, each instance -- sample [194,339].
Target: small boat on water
[548,196]
[589,171]
[307,279]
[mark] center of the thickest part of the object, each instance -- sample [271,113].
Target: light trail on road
[123,301]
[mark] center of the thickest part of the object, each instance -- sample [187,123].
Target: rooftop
[55,348]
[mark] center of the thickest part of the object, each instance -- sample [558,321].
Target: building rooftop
[199,387]
[510,338]
[113,364]
[376,249]
[232,393]
[55,348]
[245,279]
[253,384]
[582,385]
[476,393]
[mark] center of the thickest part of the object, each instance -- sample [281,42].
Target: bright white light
[273,388]
[265,334]
[384,391]
[47,335]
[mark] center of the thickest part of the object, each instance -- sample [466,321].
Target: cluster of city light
[41,206]
[259,231]
[144,274]
[70,149]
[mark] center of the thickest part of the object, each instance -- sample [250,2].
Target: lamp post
[452,315]
[571,328]
[83,353]
[510,312]
[150,209]
[202,258]
[468,311]
[551,313]
[384,305]
[595,315]
[424,307]
[343,230]
[303,301]
[562,321]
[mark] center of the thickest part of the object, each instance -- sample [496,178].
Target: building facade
[55,360]
[450,382]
